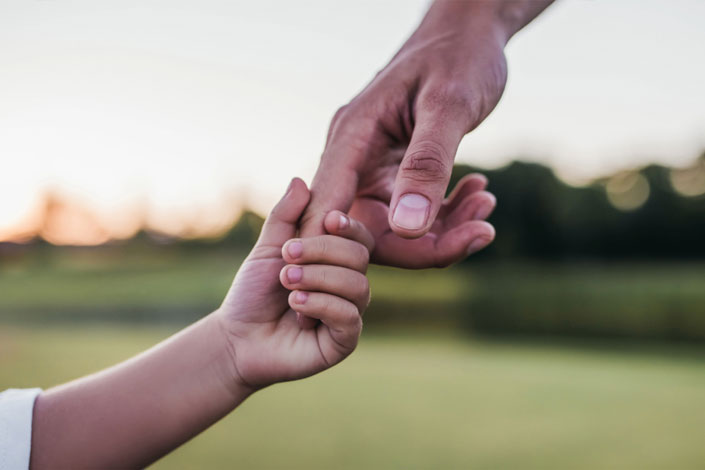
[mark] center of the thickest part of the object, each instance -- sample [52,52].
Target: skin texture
[132,414]
[400,134]
[260,309]
[398,137]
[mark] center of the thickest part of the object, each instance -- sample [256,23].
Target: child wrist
[225,364]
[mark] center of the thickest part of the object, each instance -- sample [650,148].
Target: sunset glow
[175,116]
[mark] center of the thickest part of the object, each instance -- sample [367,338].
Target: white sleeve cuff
[16,407]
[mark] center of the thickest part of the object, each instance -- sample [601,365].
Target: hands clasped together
[322,277]
[295,306]
[293,310]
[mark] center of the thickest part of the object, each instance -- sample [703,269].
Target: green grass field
[418,401]
[169,284]
[420,392]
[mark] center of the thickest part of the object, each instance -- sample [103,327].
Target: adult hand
[390,151]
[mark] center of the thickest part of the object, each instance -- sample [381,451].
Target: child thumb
[281,224]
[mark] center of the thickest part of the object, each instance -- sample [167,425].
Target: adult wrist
[499,18]
[459,23]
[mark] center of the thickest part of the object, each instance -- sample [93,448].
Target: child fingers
[340,315]
[342,225]
[343,282]
[327,249]
[281,222]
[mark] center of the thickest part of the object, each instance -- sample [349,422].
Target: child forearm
[135,412]
[132,414]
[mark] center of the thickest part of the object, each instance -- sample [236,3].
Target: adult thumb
[423,176]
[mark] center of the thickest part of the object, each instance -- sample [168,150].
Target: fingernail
[295,249]
[477,245]
[288,188]
[343,223]
[294,274]
[301,297]
[412,211]
[483,212]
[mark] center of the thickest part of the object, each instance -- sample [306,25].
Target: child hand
[320,277]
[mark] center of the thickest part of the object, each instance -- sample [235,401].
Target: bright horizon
[178,114]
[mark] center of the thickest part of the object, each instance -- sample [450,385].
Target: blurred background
[142,142]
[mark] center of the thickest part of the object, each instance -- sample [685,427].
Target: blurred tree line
[607,259]
[651,213]
[601,260]
[621,256]
[538,216]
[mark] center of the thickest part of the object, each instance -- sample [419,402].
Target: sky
[177,114]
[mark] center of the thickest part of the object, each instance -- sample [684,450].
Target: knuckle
[353,125]
[354,317]
[339,113]
[454,100]
[364,287]
[322,276]
[364,256]
[321,247]
[453,95]
[327,305]
[339,119]
[426,162]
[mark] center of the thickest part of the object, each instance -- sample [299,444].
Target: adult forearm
[502,18]
[132,414]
